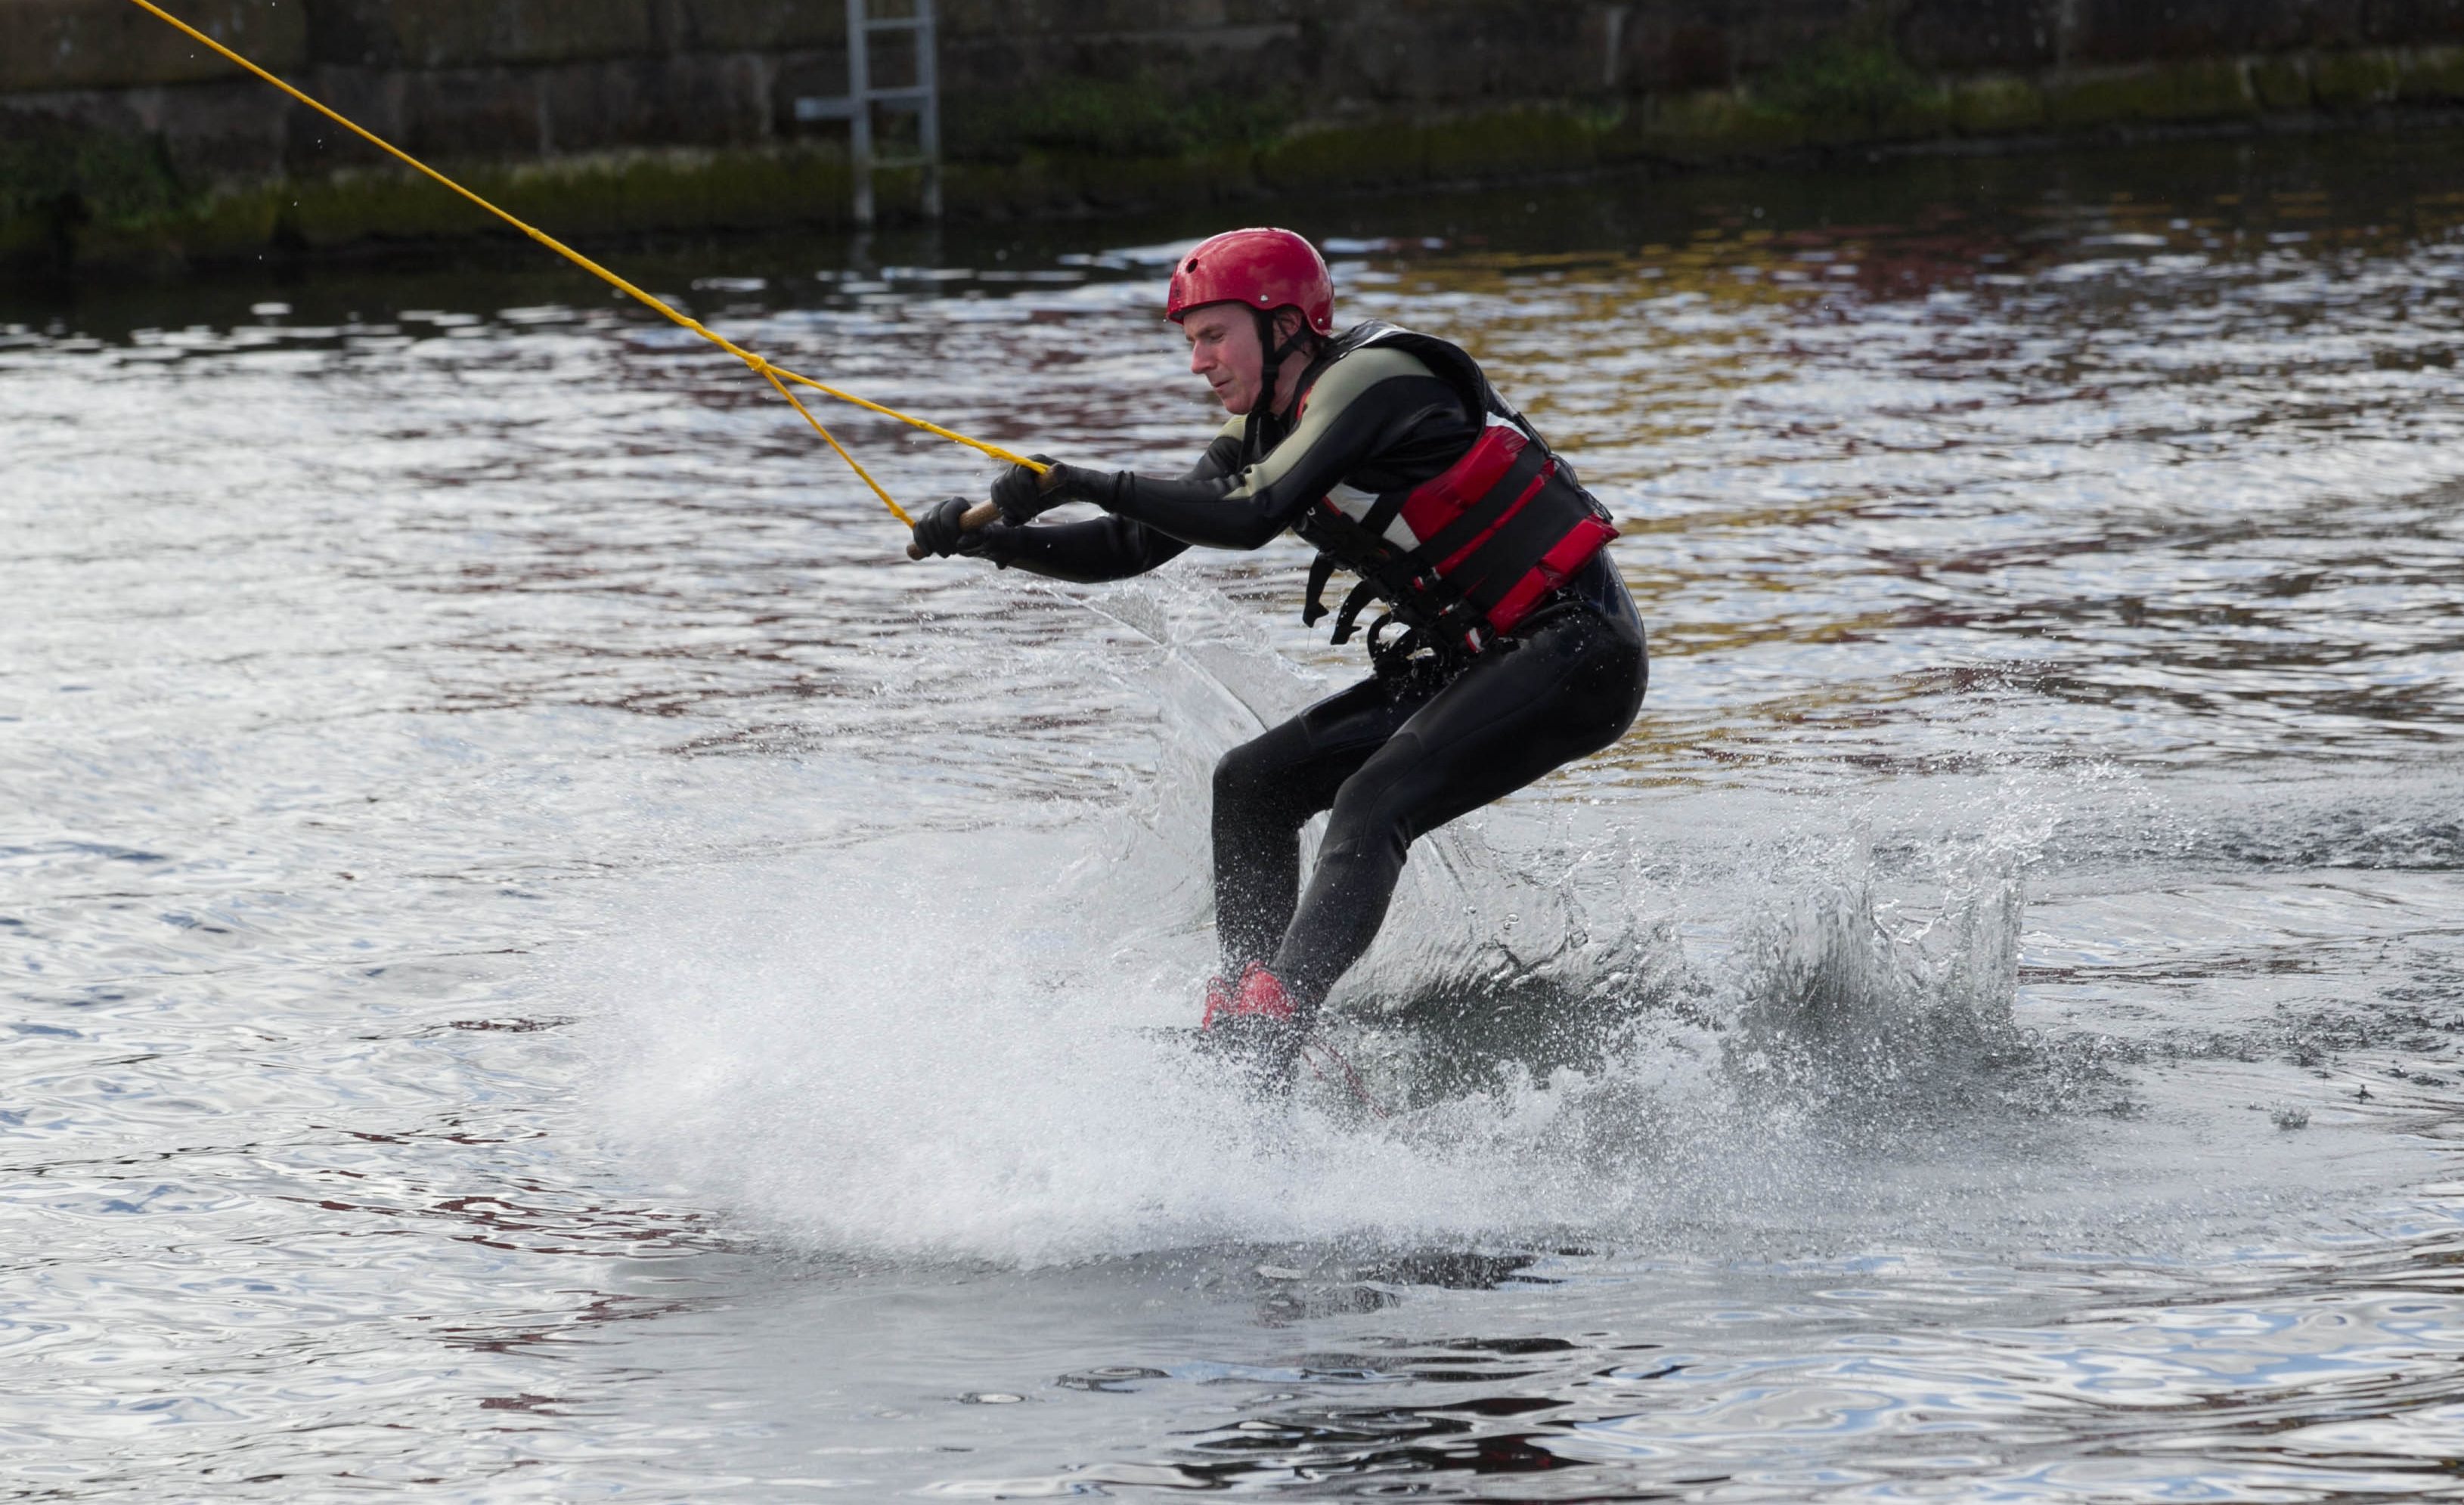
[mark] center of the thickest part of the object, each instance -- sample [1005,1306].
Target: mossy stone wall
[118,136]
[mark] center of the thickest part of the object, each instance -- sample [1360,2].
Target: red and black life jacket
[1464,556]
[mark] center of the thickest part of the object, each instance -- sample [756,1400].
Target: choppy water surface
[547,961]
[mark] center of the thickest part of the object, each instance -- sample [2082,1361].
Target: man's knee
[1374,809]
[1253,788]
[1240,776]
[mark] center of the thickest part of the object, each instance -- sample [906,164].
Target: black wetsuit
[1400,753]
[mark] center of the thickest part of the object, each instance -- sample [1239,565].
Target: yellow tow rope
[777,376]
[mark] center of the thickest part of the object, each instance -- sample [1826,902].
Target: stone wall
[643,112]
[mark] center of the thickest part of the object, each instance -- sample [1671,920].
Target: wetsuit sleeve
[1112,548]
[1100,549]
[1365,404]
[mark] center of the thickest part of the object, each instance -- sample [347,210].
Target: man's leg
[1265,790]
[1569,690]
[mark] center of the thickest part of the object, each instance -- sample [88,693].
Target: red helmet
[1263,268]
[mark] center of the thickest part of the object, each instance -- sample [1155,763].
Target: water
[547,961]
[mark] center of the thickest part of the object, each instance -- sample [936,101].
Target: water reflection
[2163,458]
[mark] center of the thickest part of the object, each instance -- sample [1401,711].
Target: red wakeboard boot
[1256,1023]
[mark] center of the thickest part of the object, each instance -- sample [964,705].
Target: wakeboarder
[1514,649]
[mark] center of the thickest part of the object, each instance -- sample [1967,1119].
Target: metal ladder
[923,97]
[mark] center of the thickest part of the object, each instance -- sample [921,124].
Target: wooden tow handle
[980,515]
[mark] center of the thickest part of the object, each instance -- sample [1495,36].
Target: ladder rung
[841,107]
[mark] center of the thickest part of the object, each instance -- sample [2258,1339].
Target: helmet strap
[1275,356]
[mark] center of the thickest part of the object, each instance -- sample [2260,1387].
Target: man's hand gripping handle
[1018,495]
[984,514]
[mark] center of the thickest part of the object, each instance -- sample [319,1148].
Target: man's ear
[1288,324]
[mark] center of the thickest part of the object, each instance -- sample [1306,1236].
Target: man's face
[1223,348]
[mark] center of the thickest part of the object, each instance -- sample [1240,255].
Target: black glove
[1019,493]
[939,531]
[939,534]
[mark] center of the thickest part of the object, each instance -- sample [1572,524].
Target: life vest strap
[1349,616]
[1321,569]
